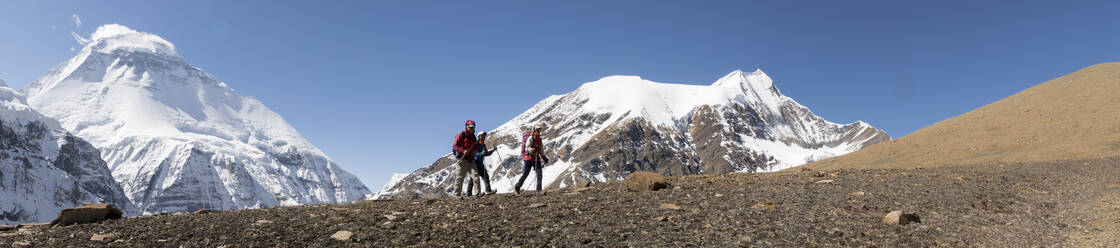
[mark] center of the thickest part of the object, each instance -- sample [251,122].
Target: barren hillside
[1076,116]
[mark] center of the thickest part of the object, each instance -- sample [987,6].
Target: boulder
[205,211]
[670,206]
[86,213]
[342,235]
[646,181]
[765,205]
[897,217]
[103,236]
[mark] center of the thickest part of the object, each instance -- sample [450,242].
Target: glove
[546,160]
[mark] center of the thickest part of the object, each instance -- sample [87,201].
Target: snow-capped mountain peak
[176,137]
[610,127]
[114,37]
[44,169]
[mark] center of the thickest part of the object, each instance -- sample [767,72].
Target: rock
[263,222]
[20,244]
[719,195]
[670,206]
[646,181]
[342,235]
[766,205]
[103,236]
[32,227]
[584,189]
[340,209]
[205,211]
[1115,185]
[5,228]
[86,213]
[582,182]
[857,193]
[825,181]
[660,218]
[897,217]
[391,217]
[537,205]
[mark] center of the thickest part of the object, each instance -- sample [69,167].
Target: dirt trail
[998,205]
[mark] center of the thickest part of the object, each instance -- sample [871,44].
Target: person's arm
[540,150]
[458,148]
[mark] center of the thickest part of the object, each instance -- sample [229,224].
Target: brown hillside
[1076,116]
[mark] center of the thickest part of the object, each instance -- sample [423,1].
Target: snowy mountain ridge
[179,139]
[44,169]
[610,127]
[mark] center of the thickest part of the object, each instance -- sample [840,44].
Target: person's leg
[524,173]
[460,174]
[485,175]
[476,184]
[537,167]
[470,185]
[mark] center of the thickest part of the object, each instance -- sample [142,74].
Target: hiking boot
[491,192]
[517,191]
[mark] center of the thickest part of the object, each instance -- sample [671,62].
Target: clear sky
[381,87]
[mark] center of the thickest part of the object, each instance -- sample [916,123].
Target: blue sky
[381,86]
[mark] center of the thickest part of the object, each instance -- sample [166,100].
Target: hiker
[532,152]
[464,148]
[480,166]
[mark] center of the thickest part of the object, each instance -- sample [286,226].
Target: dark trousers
[481,168]
[529,164]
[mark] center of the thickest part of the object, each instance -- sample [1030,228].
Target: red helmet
[470,122]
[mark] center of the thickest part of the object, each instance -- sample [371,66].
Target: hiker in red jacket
[464,150]
[532,152]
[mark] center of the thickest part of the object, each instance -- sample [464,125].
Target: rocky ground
[1001,205]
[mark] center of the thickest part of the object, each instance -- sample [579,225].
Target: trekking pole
[502,160]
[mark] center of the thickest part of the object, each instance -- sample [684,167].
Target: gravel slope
[998,205]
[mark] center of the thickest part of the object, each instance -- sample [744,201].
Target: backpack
[524,141]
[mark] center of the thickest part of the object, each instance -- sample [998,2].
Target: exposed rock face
[44,169]
[606,129]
